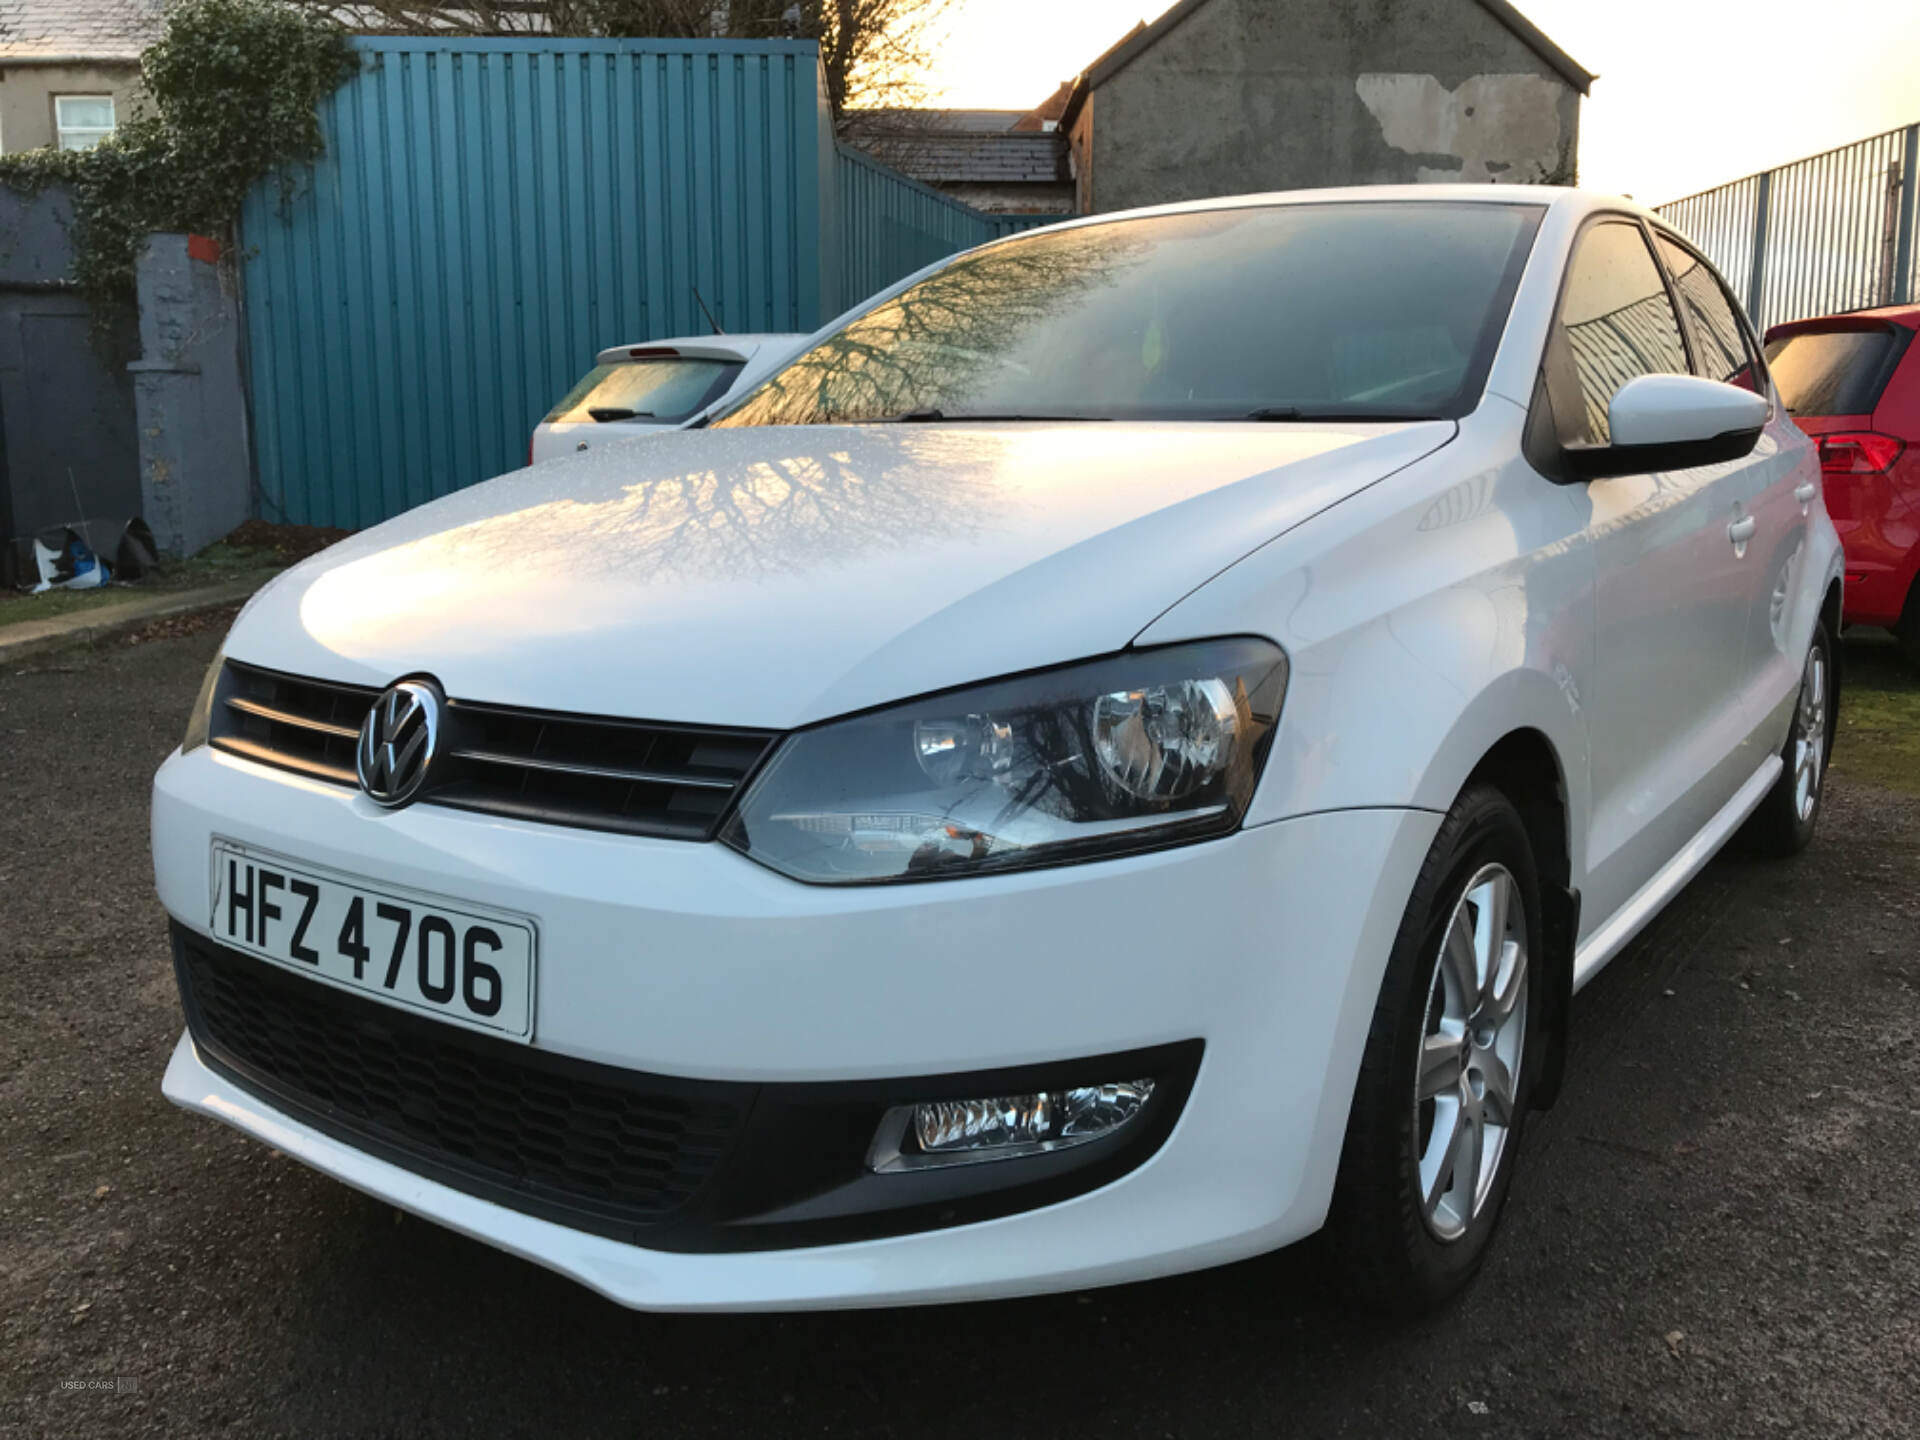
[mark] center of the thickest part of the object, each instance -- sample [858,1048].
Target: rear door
[1775,487]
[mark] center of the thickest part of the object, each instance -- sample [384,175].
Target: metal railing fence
[1832,232]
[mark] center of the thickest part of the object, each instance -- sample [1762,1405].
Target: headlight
[202,714]
[1139,750]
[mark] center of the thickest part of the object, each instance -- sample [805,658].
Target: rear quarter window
[1834,372]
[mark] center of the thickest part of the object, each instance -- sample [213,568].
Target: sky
[1691,93]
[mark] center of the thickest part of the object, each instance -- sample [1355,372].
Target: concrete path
[25,638]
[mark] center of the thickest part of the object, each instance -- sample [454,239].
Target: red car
[1853,383]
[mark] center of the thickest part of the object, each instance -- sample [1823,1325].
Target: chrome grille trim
[598,772]
[284,717]
[666,780]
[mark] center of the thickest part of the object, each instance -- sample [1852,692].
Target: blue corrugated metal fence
[489,213]
[891,226]
[1014,224]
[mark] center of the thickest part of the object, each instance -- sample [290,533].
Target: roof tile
[89,29]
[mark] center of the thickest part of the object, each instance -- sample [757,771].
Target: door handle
[1740,532]
[1804,493]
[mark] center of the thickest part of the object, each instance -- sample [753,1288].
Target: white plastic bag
[66,562]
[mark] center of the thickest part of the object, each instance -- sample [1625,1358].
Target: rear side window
[1833,372]
[1616,324]
[1719,339]
[662,391]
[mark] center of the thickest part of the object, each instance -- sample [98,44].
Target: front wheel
[1443,1090]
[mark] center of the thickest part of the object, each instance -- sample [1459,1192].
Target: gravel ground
[1713,1234]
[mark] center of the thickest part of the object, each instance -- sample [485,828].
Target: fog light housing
[966,1132]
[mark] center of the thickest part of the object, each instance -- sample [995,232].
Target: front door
[1670,592]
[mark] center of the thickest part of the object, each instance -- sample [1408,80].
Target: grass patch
[253,552]
[1879,739]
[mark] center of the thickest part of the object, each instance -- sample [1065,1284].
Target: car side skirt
[1651,898]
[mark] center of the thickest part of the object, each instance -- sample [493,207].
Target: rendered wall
[27,91]
[1254,95]
[189,397]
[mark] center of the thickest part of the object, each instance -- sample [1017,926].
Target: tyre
[1907,632]
[1783,825]
[1445,1081]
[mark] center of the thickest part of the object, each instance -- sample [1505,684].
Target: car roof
[1907,316]
[1555,196]
[700,347]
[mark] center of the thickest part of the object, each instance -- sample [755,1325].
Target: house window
[81,122]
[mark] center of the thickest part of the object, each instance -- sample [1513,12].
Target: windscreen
[1831,372]
[1359,310]
[664,391]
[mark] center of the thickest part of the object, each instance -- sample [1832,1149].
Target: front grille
[603,1148]
[638,778]
[668,780]
[307,725]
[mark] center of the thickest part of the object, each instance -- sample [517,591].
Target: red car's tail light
[1858,452]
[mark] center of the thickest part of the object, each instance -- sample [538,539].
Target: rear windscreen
[1832,372]
[661,391]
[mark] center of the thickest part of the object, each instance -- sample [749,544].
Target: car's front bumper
[688,960]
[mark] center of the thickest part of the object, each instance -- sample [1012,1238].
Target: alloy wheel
[1810,735]
[1467,1078]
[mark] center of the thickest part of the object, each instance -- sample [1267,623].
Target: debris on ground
[173,627]
[291,543]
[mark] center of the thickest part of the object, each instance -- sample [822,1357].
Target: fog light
[964,1132]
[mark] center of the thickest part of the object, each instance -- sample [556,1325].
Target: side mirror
[1672,422]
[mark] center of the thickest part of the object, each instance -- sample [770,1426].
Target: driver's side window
[1616,322]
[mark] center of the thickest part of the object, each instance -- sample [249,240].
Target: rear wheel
[1784,823]
[1443,1089]
[1908,630]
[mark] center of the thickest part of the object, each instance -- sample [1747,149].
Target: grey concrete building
[1224,97]
[69,69]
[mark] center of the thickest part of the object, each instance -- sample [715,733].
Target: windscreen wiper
[930,416]
[1295,412]
[604,413]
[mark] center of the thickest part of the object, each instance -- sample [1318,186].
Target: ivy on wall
[231,96]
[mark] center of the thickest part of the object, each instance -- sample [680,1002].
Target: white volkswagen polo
[1113,760]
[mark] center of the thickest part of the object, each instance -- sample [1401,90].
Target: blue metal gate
[487,215]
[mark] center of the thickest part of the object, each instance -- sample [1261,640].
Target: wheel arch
[1525,732]
[1831,608]
[1525,722]
[1525,767]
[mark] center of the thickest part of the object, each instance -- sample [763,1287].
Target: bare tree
[874,52]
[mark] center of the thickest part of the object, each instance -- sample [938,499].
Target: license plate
[461,963]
